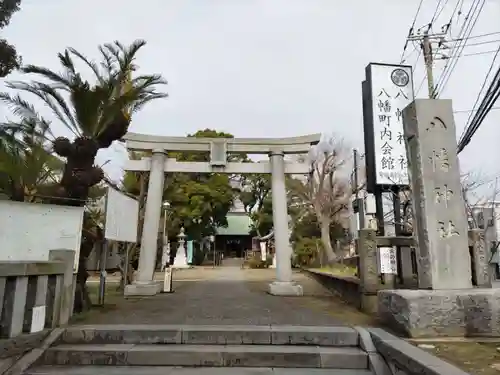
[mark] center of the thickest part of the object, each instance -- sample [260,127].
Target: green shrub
[257,262]
[305,251]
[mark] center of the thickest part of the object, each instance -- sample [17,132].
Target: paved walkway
[225,295]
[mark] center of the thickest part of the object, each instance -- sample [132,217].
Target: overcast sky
[260,68]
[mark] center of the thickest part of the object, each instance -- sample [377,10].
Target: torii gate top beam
[292,145]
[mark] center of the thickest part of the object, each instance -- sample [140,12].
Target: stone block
[271,356]
[279,288]
[312,335]
[404,358]
[143,289]
[207,355]
[175,355]
[226,335]
[440,224]
[369,303]
[14,304]
[126,334]
[66,288]
[480,259]
[432,313]
[368,268]
[343,358]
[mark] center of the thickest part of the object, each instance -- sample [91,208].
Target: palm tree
[97,113]
[28,172]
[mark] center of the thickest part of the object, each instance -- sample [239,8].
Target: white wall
[28,231]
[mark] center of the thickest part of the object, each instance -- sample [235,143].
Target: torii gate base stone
[218,148]
[446,304]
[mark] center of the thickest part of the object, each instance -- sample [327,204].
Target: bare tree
[326,192]
[478,192]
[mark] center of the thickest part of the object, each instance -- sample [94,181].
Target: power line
[479,53]
[483,35]
[452,53]
[474,110]
[481,90]
[485,107]
[410,31]
[427,45]
[460,32]
[436,16]
[467,27]
[482,43]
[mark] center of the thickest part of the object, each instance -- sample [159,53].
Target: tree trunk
[82,299]
[130,249]
[326,240]
[78,177]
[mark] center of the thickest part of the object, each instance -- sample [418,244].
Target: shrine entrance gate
[159,164]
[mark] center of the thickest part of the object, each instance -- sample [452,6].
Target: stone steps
[150,348]
[152,370]
[211,335]
[207,355]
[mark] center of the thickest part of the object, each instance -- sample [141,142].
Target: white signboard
[391,92]
[30,230]
[38,319]
[122,214]
[387,260]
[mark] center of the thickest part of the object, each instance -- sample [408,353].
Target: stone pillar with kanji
[440,220]
[446,303]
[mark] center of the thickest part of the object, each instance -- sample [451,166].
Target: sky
[261,68]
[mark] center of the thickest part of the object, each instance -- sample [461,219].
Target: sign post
[388,263]
[167,279]
[117,228]
[387,90]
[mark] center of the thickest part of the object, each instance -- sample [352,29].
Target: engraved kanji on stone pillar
[480,256]
[440,222]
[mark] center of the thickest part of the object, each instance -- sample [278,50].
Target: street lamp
[165,245]
[166,206]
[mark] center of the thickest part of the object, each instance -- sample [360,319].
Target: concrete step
[211,335]
[152,370]
[207,355]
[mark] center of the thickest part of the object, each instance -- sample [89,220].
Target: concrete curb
[401,355]
[376,362]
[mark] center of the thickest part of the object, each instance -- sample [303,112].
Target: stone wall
[347,288]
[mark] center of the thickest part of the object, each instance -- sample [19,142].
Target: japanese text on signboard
[391,92]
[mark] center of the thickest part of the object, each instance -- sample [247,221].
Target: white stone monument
[158,164]
[180,260]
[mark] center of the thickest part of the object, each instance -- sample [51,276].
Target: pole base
[143,289]
[285,288]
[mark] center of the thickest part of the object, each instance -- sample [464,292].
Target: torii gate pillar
[283,284]
[145,285]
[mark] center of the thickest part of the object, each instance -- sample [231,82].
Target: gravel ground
[225,295]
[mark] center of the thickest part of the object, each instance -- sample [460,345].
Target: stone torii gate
[159,164]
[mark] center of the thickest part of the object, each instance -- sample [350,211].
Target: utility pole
[359,201]
[426,41]
[429,61]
